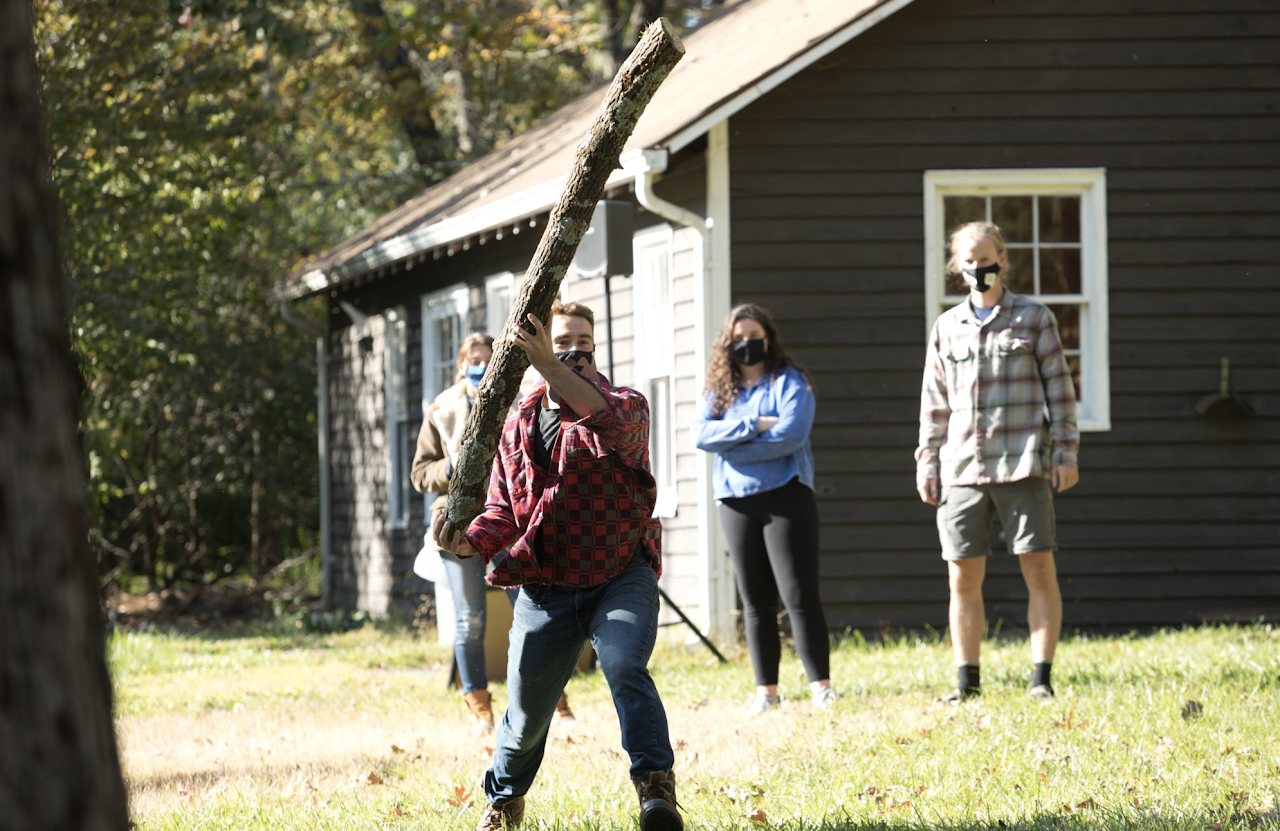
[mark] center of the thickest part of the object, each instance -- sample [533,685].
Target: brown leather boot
[562,708]
[658,807]
[502,818]
[481,707]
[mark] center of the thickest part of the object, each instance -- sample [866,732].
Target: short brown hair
[573,310]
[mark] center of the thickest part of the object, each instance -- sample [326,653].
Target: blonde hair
[972,231]
[464,352]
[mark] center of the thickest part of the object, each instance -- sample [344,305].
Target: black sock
[968,679]
[1041,674]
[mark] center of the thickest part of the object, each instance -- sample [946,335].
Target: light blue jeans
[466,584]
[552,624]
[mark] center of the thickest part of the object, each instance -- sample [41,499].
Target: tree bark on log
[59,767]
[632,89]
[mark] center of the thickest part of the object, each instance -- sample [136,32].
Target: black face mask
[573,356]
[981,279]
[749,352]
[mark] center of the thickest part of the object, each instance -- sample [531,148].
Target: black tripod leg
[695,629]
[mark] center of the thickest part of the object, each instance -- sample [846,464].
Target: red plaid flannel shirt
[595,505]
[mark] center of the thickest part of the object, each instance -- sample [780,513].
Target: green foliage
[202,150]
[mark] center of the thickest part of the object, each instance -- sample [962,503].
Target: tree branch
[631,91]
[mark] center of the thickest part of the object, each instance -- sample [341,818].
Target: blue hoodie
[748,461]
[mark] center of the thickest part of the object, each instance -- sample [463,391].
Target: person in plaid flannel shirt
[572,497]
[995,369]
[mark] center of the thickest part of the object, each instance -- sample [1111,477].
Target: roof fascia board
[514,208]
[798,64]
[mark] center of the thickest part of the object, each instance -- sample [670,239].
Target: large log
[59,767]
[633,87]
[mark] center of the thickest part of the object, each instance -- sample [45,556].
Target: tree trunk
[643,13]
[410,99]
[59,768]
[611,24]
[632,89]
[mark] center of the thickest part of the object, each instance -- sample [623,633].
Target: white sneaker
[762,704]
[824,698]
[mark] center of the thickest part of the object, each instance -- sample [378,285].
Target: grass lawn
[271,728]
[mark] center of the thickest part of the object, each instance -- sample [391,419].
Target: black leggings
[773,542]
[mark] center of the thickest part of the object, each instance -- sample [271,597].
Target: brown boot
[480,705]
[501,818]
[658,803]
[562,708]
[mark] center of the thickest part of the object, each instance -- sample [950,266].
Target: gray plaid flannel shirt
[997,403]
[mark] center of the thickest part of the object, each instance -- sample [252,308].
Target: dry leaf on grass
[757,815]
[390,816]
[461,798]
[373,778]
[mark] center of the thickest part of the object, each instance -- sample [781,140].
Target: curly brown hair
[724,375]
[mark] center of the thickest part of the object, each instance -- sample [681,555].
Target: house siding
[1176,518]
[372,560]
[684,185]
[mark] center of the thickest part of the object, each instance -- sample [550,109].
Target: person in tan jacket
[439,442]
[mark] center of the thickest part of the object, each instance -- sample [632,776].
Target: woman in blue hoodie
[756,414]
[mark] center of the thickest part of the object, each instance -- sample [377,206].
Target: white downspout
[716,601]
[322,416]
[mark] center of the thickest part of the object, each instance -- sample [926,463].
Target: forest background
[203,149]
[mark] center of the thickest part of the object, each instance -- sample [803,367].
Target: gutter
[309,327]
[713,601]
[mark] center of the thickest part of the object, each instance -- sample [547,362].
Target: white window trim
[648,370]
[395,369]
[506,280]
[1090,184]
[458,294]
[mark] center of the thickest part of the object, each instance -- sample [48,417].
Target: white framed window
[1055,225]
[444,325]
[653,253]
[499,295]
[399,438]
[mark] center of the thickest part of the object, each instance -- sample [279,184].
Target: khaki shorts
[1025,508]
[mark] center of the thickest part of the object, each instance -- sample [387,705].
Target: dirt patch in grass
[313,755]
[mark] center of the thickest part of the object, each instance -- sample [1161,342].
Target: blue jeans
[466,584]
[552,623]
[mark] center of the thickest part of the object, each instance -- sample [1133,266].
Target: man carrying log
[571,495]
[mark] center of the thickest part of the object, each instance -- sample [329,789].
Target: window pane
[1073,361]
[1059,218]
[957,210]
[1013,215]
[1059,270]
[1068,324]
[1019,274]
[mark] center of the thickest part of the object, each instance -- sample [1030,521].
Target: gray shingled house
[809,155]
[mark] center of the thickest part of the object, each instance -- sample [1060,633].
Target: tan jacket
[440,438]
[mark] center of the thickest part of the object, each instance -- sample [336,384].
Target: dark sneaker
[1042,693]
[502,818]
[957,696]
[658,807]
